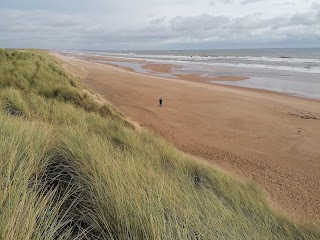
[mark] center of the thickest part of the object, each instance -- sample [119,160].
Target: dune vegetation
[72,168]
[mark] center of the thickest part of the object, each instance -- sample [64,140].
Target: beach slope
[251,133]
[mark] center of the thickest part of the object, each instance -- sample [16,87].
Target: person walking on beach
[160,102]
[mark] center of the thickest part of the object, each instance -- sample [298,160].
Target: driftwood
[303,115]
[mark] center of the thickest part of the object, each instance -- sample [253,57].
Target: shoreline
[247,132]
[193,77]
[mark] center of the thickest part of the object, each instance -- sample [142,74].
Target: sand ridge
[249,133]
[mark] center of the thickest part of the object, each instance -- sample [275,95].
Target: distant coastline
[291,72]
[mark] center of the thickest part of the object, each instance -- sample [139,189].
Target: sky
[159,24]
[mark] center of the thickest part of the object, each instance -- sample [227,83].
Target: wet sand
[246,132]
[167,68]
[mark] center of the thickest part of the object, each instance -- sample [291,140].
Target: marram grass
[73,169]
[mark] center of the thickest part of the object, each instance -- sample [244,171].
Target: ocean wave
[207,58]
[283,68]
[251,65]
[242,64]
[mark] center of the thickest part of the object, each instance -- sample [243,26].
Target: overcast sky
[159,24]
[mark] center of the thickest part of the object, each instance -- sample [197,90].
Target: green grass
[73,169]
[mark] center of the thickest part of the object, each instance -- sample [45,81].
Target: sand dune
[247,132]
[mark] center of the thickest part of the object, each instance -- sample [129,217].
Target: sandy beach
[247,132]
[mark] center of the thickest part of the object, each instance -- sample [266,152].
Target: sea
[295,71]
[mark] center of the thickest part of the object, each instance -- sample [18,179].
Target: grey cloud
[13,20]
[250,1]
[214,2]
[155,28]
[198,23]
[227,28]
[308,18]
[158,20]
[316,5]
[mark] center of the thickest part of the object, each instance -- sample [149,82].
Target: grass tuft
[71,168]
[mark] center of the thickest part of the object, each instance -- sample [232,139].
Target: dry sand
[247,132]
